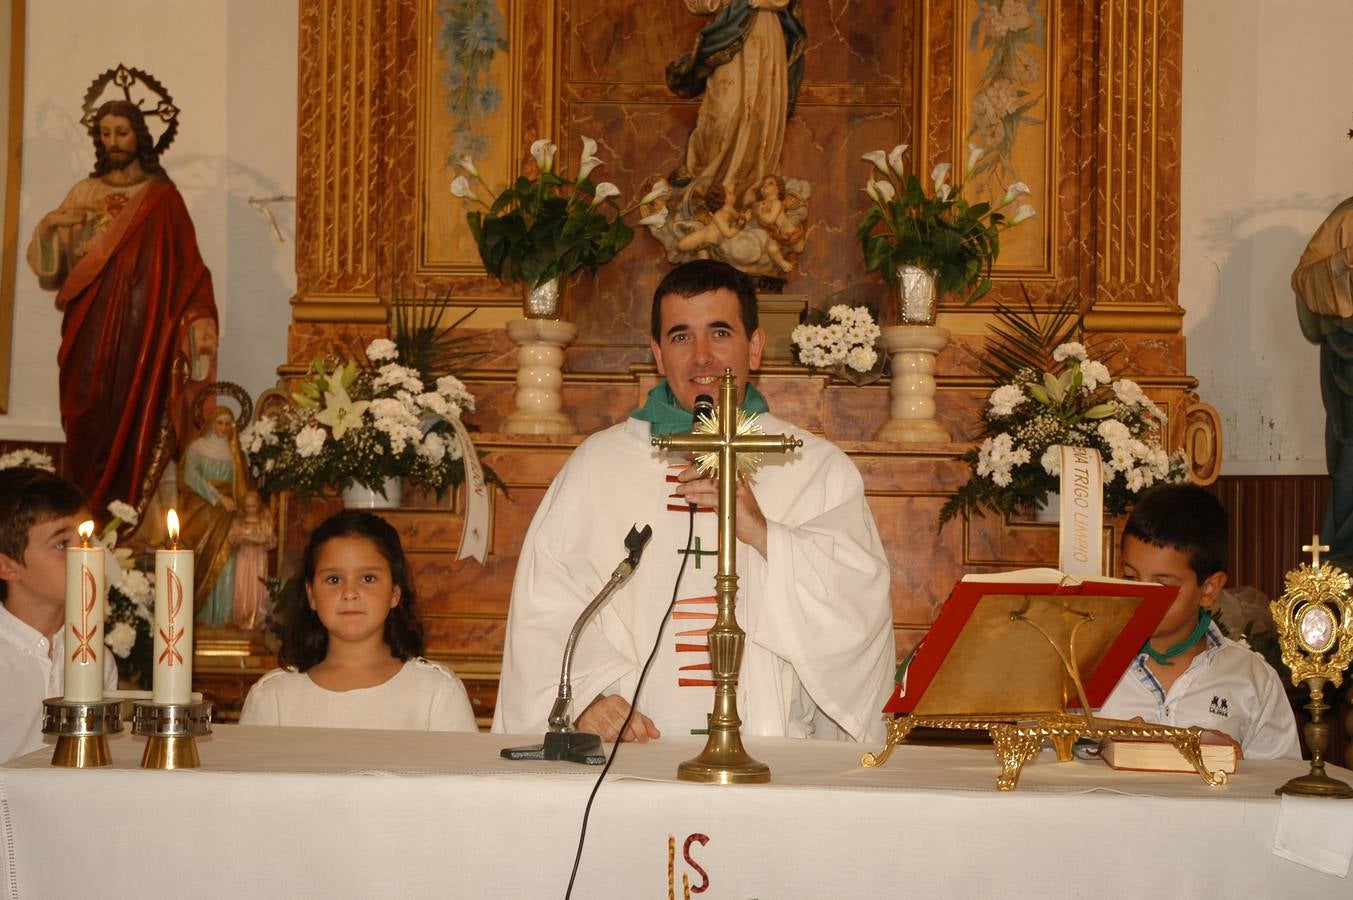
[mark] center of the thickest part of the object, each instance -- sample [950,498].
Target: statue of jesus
[138,337]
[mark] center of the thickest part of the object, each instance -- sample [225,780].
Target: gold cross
[1315,548]
[724,760]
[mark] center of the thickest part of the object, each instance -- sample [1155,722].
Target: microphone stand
[561,741]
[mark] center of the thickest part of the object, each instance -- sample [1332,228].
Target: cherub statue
[721,222]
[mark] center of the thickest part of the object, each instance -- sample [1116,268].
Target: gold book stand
[1014,668]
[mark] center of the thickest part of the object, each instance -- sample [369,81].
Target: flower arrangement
[1018,464]
[544,227]
[23,457]
[361,422]
[846,341]
[131,601]
[939,231]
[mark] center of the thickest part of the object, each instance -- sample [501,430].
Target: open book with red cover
[991,650]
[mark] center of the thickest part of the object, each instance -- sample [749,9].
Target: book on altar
[1220,752]
[1005,644]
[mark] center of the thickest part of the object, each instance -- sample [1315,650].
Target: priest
[813,592]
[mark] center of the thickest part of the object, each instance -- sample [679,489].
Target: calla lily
[1017,189]
[589,160]
[871,188]
[974,154]
[660,189]
[543,152]
[885,189]
[939,174]
[895,159]
[654,220]
[460,187]
[942,192]
[468,165]
[879,160]
[605,190]
[1024,212]
[340,411]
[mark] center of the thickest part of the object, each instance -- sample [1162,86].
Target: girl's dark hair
[306,641]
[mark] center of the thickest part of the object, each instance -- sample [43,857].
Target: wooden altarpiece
[1099,146]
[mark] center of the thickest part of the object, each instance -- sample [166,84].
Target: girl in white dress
[353,646]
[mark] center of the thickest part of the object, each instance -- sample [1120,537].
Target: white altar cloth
[300,812]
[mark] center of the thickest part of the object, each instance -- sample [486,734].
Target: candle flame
[86,531]
[172,521]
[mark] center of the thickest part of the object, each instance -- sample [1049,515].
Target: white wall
[1267,102]
[231,68]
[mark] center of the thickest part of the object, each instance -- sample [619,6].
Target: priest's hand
[606,714]
[704,491]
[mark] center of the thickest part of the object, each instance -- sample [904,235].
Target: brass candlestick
[173,730]
[81,729]
[1314,618]
[724,760]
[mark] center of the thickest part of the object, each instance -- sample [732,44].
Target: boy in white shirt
[1189,673]
[39,513]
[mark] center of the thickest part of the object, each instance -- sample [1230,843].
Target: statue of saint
[212,488]
[139,333]
[1323,282]
[748,64]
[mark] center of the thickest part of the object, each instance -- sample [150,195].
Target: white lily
[588,161]
[886,191]
[340,411]
[879,160]
[605,190]
[974,154]
[1018,189]
[660,189]
[895,159]
[655,220]
[460,187]
[939,174]
[1024,212]
[468,165]
[543,152]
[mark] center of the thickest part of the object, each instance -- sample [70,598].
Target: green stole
[660,410]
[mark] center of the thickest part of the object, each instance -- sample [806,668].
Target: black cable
[657,642]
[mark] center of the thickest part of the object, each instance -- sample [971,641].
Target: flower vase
[358,496]
[912,350]
[540,338]
[917,302]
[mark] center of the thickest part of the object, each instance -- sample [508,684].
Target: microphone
[561,741]
[704,406]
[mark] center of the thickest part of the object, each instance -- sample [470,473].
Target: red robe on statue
[125,357]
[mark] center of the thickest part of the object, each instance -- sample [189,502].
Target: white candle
[173,676]
[84,619]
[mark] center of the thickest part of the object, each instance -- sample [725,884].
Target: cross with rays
[724,760]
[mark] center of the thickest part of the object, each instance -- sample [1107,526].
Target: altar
[311,812]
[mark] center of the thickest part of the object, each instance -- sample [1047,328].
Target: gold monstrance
[724,760]
[1314,618]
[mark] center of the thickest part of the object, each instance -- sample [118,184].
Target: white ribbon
[1079,534]
[474,536]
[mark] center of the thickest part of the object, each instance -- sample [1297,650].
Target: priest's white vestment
[819,652]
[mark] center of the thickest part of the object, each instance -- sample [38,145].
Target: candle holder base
[1316,784]
[81,728]
[172,729]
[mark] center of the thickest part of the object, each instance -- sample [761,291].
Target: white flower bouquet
[361,422]
[131,601]
[23,457]
[1017,464]
[845,342]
